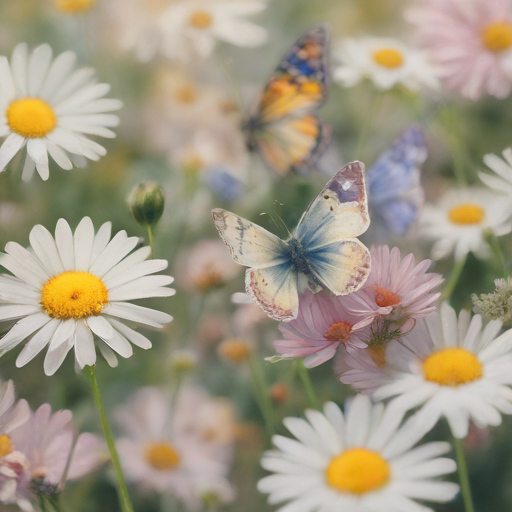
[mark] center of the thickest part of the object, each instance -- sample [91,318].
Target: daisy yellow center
[74,5]
[200,19]
[339,331]
[234,350]
[452,367]
[498,36]
[186,94]
[357,471]
[385,298]
[5,445]
[74,294]
[31,117]
[162,456]
[388,58]
[466,214]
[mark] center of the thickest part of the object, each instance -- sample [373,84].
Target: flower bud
[280,392]
[146,202]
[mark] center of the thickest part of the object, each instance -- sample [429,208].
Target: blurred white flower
[51,108]
[192,27]
[67,290]
[386,62]
[360,461]
[186,451]
[501,181]
[460,220]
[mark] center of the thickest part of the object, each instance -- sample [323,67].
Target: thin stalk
[150,236]
[449,120]
[494,243]
[308,385]
[462,468]
[124,497]
[44,504]
[261,394]
[365,130]
[454,278]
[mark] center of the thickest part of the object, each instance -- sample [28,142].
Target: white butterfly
[322,251]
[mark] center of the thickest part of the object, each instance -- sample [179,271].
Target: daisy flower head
[72,290]
[398,290]
[185,451]
[501,180]
[323,324]
[386,62]
[192,27]
[360,460]
[51,108]
[74,6]
[452,367]
[460,220]
[469,42]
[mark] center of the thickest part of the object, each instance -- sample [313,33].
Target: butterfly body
[322,251]
[284,129]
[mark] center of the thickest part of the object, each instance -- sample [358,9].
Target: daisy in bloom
[451,367]
[72,289]
[51,108]
[501,181]
[192,27]
[397,289]
[47,442]
[458,222]
[324,322]
[74,6]
[186,451]
[469,42]
[386,62]
[360,461]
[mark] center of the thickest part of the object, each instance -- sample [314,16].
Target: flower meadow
[255,255]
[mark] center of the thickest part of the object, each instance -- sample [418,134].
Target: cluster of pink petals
[452,33]
[407,286]
[305,336]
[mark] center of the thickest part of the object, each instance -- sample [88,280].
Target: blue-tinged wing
[394,185]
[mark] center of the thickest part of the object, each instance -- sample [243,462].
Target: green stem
[449,120]
[454,278]
[262,395]
[43,504]
[462,469]
[308,385]
[150,236]
[494,243]
[365,130]
[124,497]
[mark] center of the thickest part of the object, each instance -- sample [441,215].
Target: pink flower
[396,289]
[12,413]
[470,43]
[323,324]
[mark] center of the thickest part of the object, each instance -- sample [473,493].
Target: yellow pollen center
[339,331]
[452,367]
[31,117]
[234,350]
[388,58]
[5,445]
[385,298]
[200,19]
[162,456]
[498,36]
[71,6]
[74,294]
[357,471]
[466,214]
[186,94]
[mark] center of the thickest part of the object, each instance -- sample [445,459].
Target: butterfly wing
[394,185]
[284,129]
[327,231]
[272,280]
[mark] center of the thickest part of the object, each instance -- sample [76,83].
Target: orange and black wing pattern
[285,129]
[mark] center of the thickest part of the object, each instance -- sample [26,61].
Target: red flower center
[339,331]
[385,298]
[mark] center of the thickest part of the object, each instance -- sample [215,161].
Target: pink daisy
[323,324]
[470,43]
[396,289]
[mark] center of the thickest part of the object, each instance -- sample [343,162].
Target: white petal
[64,241]
[55,356]
[100,327]
[137,314]
[9,148]
[24,328]
[148,286]
[19,68]
[101,240]
[135,337]
[28,169]
[108,354]
[24,265]
[119,247]
[37,343]
[119,343]
[45,249]
[16,311]
[59,70]
[85,350]
[128,267]
[60,157]
[6,80]
[84,238]
[38,65]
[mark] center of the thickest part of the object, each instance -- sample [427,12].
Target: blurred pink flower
[324,322]
[470,43]
[12,413]
[397,288]
[186,452]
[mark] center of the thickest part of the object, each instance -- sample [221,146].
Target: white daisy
[460,219]
[454,368]
[192,27]
[72,289]
[51,108]
[386,62]
[360,461]
[501,181]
